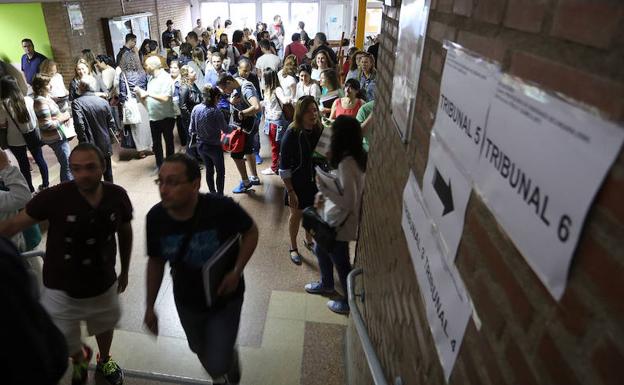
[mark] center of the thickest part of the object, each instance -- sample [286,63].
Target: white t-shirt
[316,74]
[289,84]
[57,86]
[312,89]
[272,106]
[268,60]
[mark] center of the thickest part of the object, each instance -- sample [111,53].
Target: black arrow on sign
[444,192]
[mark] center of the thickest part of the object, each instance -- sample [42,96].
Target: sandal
[295,257]
[309,245]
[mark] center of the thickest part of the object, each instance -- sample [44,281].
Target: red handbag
[233,141]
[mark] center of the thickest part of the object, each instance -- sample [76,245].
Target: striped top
[47,111]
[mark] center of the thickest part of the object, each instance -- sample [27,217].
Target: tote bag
[131,113]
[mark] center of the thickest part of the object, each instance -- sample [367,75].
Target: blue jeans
[213,160]
[61,150]
[338,257]
[24,165]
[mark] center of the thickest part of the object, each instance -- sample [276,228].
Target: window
[373,21]
[306,12]
[210,11]
[269,10]
[243,15]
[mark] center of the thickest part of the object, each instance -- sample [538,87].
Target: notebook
[219,264]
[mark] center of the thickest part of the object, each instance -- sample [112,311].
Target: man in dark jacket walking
[94,122]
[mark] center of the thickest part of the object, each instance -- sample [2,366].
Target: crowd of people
[220,89]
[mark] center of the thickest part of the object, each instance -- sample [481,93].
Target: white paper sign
[446,191]
[466,90]
[443,292]
[542,163]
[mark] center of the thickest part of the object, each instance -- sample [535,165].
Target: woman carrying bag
[207,123]
[133,75]
[296,167]
[339,200]
[275,122]
[52,123]
[18,115]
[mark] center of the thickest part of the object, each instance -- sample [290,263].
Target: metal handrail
[371,357]
[33,253]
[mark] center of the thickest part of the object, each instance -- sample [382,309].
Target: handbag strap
[277,97]
[9,113]
[128,91]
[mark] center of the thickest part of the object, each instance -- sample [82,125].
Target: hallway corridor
[286,336]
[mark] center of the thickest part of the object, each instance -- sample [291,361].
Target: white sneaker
[267,171]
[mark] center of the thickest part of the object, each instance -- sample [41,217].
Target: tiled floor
[278,319]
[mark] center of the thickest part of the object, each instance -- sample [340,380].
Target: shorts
[247,148]
[100,313]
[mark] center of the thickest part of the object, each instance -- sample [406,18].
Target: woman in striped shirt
[51,123]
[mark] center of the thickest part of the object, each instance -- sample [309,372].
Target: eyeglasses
[170,182]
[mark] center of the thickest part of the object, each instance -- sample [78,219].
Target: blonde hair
[290,66]
[81,61]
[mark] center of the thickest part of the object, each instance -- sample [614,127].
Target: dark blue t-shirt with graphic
[219,218]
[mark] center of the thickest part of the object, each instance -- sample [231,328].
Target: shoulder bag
[32,137]
[288,110]
[131,113]
[321,231]
[234,141]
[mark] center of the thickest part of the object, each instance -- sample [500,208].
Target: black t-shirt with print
[218,219]
[81,248]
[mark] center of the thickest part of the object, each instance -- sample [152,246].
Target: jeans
[256,137]
[160,129]
[61,150]
[212,334]
[22,159]
[338,257]
[213,160]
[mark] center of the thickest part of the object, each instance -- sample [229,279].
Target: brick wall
[66,45]
[571,46]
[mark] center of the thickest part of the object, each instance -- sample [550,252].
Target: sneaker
[80,370]
[242,188]
[111,372]
[339,306]
[318,288]
[254,180]
[267,171]
[41,188]
[258,159]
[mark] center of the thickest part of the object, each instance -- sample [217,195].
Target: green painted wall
[18,21]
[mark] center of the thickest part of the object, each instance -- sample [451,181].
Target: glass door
[333,22]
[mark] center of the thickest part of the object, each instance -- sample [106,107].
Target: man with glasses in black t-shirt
[185,229]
